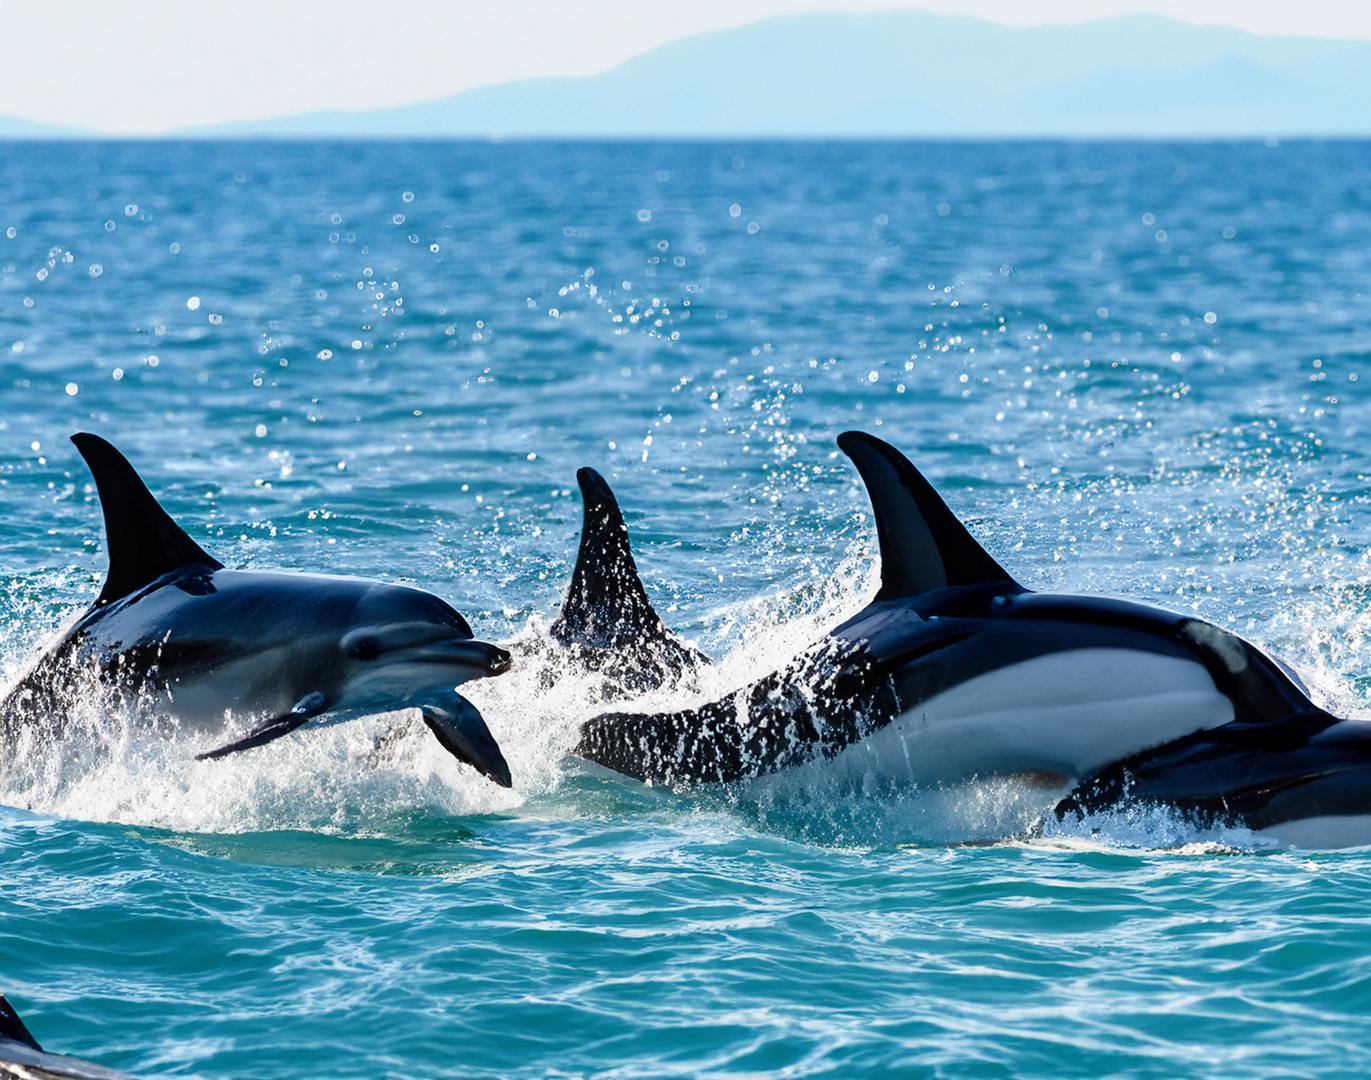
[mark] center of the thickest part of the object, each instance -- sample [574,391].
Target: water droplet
[117,374]
[644,215]
[735,210]
[72,389]
[260,431]
[325,354]
[1229,232]
[1149,219]
[175,249]
[193,303]
[1210,317]
[1102,312]
[109,226]
[408,196]
[752,226]
[398,219]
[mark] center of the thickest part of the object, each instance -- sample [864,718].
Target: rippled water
[1131,368]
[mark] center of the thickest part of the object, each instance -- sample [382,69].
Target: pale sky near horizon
[146,66]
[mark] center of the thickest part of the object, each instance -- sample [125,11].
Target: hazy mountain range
[909,74]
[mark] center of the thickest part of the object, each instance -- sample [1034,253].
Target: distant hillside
[917,74]
[909,74]
[11,127]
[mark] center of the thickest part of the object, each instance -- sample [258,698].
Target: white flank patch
[1068,713]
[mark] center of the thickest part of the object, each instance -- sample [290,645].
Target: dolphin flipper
[923,545]
[144,543]
[462,731]
[308,706]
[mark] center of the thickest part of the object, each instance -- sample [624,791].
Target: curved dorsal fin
[144,543]
[13,1029]
[923,545]
[606,604]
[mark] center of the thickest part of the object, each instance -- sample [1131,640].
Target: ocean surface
[1134,369]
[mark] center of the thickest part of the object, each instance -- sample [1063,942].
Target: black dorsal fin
[923,545]
[13,1029]
[144,543]
[606,604]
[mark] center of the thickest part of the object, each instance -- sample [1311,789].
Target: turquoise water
[1173,411]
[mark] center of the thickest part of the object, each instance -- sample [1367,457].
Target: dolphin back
[923,545]
[144,543]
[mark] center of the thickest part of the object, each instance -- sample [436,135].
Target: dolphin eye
[363,650]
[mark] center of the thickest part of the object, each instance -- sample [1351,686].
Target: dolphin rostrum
[956,671]
[237,658]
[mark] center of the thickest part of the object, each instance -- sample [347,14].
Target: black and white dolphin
[955,671]
[248,656]
[21,1056]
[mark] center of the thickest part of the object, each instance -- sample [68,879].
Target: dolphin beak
[465,652]
[462,732]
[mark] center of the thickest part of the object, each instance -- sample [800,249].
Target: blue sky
[146,66]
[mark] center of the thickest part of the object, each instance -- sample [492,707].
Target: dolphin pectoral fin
[463,733]
[308,706]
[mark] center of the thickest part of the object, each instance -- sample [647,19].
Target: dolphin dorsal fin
[144,543]
[923,545]
[13,1029]
[606,604]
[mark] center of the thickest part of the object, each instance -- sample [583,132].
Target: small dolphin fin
[923,545]
[606,604]
[12,1028]
[144,543]
[308,706]
[462,731]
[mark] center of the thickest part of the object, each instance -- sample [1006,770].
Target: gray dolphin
[955,671]
[249,656]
